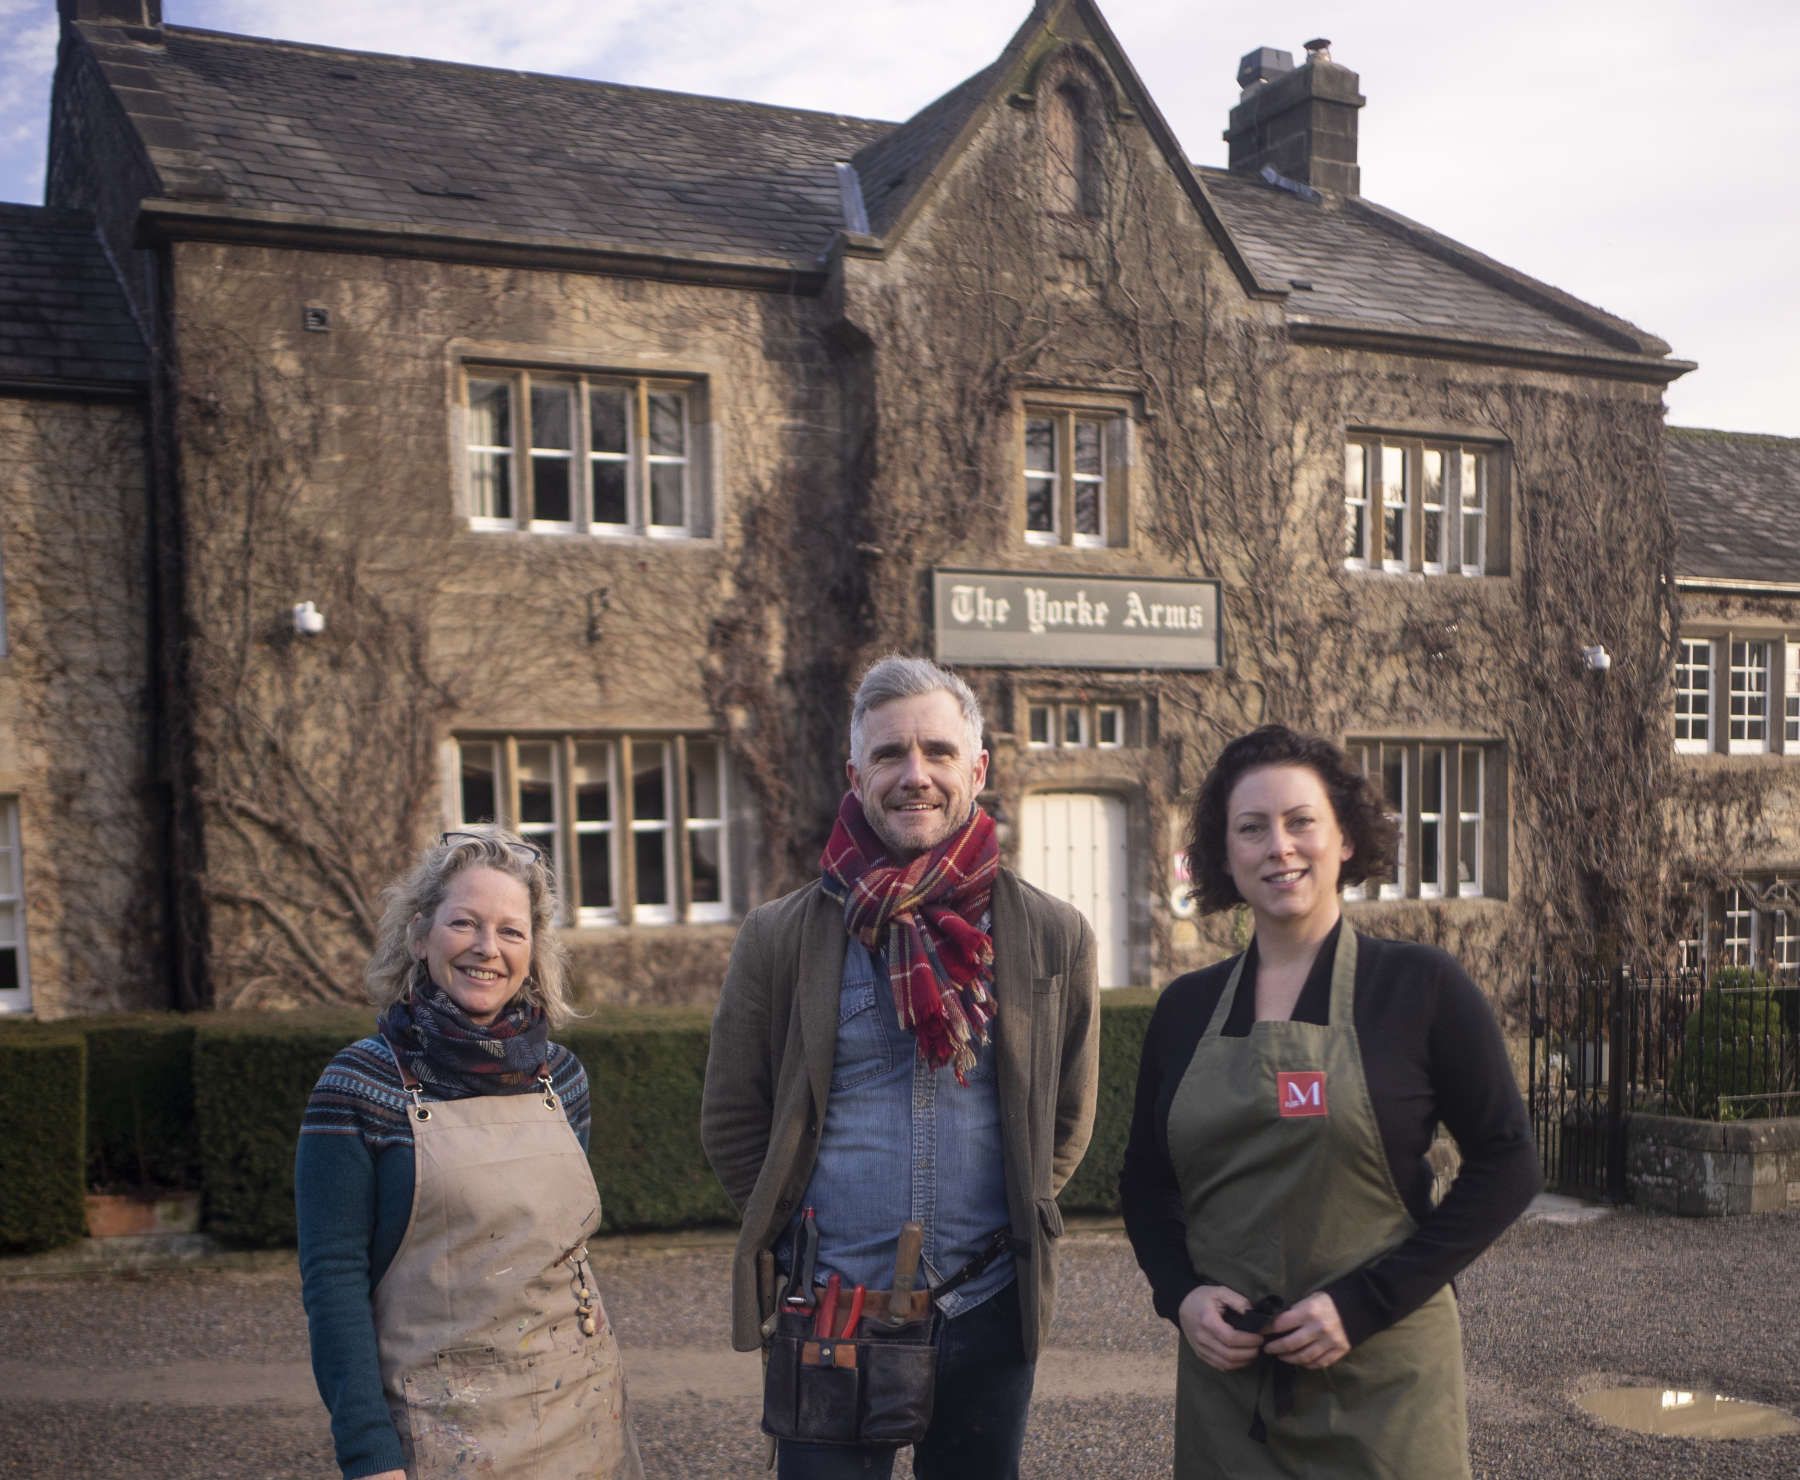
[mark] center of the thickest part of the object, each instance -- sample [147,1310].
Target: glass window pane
[1040,504]
[490,485]
[610,506]
[1468,855]
[593,783]
[1038,724]
[595,849]
[1074,725]
[1355,475]
[1471,481]
[1107,725]
[704,799]
[707,884]
[649,799]
[490,413]
[609,413]
[1040,445]
[1471,779]
[668,429]
[1429,854]
[552,416]
[1088,445]
[668,494]
[1431,780]
[652,866]
[1087,508]
[550,489]
[537,786]
[1433,472]
[9,970]
[478,783]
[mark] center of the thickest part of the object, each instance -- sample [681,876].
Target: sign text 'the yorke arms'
[1009,618]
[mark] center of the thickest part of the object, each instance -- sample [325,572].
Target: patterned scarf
[940,961]
[448,1050]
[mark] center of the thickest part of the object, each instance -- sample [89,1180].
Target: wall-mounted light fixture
[1597,659]
[309,621]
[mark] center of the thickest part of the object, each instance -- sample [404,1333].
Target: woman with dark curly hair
[445,1201]
[1275,1185]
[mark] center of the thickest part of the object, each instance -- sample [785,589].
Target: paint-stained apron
[486,1367]
[1286,1187]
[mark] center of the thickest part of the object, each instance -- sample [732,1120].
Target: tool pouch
[872,1387]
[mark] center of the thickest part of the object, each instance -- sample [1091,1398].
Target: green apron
[1286,1187]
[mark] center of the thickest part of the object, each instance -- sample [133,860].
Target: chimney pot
[1262,64]
[1318,50]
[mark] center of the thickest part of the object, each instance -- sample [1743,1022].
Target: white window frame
[1356,505]
[640,460]
[1046,712]
[13,932]
[1784,944]
[1433,556]
[1385,492]
[1790,697]
[1694,728]
[1431,822]
[1472,887]
[1738,948]
[622,828]
[1116,714]
[1072,729]
[1065,478]
[1748,702]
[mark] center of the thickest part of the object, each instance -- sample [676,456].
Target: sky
[1640,156]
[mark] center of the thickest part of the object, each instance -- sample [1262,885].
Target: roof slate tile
[62,314]
[1735,497]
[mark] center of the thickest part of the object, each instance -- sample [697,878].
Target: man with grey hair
[912,1038]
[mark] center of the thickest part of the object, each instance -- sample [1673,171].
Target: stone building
[79,923]
[556,451]
[1737,694]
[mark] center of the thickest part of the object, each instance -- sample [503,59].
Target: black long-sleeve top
[1431,1052]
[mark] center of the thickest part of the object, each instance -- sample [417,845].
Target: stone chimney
[112,12]
[1299,121]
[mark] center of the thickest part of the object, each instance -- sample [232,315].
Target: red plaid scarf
[940,960]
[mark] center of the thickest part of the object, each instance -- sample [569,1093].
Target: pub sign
[999,618]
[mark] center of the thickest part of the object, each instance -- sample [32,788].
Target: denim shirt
[903,1141]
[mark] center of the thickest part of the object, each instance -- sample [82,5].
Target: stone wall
[1709,1169]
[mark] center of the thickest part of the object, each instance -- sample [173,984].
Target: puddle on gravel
[1687,1415]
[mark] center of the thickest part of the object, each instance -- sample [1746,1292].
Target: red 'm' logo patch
[1301,1093]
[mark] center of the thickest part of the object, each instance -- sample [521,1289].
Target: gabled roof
[1352,264]
[320,134]
[64,325]
[276,137]
[1736,501]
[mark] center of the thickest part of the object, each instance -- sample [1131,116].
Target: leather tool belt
[867,1382]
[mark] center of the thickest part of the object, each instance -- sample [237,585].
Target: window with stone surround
[1753,922]
[1071,724]
[1073,472]
[558,452]
[1737,693]
[1448,800]
[15,976]
[1423,505]
[635,825]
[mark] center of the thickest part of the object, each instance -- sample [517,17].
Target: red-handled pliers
[856,1305]
[827,1307]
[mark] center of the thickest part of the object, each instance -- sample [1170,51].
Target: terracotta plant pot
[111,1215]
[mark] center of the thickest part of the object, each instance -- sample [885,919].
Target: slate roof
[385,140]
[63,320]
[1373,268]
[242,125]
[1736,501]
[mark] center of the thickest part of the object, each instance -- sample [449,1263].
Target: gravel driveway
[200,1371]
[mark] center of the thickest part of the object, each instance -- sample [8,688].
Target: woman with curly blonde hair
[445,1200]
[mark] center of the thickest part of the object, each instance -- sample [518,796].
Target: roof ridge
[319,49]
[1724,433]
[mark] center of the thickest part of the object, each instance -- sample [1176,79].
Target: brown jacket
[769,1071]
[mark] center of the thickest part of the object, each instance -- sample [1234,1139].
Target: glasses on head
[524,852]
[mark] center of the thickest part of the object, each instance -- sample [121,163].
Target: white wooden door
[1073,844]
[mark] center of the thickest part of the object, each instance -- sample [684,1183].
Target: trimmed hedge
[215,1100]
[43,1131]
[252,1077]
[1124,1017]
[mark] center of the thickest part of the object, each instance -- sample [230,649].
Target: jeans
[978,1410]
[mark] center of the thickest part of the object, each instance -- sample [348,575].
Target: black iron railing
[1606,1044]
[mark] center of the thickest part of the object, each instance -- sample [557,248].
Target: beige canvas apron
[485,1365]
[1286,1187]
